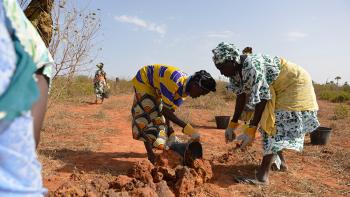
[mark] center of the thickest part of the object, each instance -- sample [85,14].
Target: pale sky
[314,34]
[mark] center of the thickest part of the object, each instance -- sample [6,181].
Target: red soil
[119,166]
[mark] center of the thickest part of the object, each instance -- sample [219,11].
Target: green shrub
[334,96]
[326,95]
[340,97]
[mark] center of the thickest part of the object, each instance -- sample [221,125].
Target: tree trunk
[39,13]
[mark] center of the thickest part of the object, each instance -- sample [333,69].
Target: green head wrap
[225,51]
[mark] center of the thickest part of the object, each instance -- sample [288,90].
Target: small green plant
[340,112]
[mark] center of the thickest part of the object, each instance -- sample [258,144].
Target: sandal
[246,180]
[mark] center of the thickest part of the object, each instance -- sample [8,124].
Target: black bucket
[188,151]
[222,121]
[320,136]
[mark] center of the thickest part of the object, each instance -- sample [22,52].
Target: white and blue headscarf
[226,52]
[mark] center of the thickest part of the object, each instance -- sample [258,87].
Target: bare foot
[283,167]
[262,177]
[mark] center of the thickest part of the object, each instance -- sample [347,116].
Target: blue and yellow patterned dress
[156,86]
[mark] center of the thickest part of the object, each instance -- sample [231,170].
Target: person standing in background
[100,83]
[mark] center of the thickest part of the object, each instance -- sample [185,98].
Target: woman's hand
[229,133]
[190,131]
[247,137]
[240,103]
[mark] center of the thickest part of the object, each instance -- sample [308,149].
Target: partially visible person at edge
[282,96]
[159,91]
[25,72]
[100,83]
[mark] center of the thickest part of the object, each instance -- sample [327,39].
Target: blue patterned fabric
[20,170]
[8,55]
[22,91]
[291,128]
[31,55]
[165,81]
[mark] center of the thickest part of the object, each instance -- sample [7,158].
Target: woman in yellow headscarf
[282,96]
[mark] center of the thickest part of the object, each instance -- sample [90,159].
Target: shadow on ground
[96,162]
[224,174]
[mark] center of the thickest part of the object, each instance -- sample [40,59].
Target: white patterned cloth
[20,170]
[258,73]
[225,52]
[28,36]
[8,55]
[291,128]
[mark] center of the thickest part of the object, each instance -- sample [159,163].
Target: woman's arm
[259,109]
[240,103]
[39,108]
[170,115]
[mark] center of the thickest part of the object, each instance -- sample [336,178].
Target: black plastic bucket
[188,151]
[320,136]
[222,121]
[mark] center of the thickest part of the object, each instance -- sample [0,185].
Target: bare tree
[73,41]
[70,34]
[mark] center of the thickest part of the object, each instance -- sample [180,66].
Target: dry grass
[121,87]
[100,115]
[210,101]
[61,129]
[81,87]
[341,111]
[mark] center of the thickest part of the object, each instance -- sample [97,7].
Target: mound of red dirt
[169,159]
[167,178]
